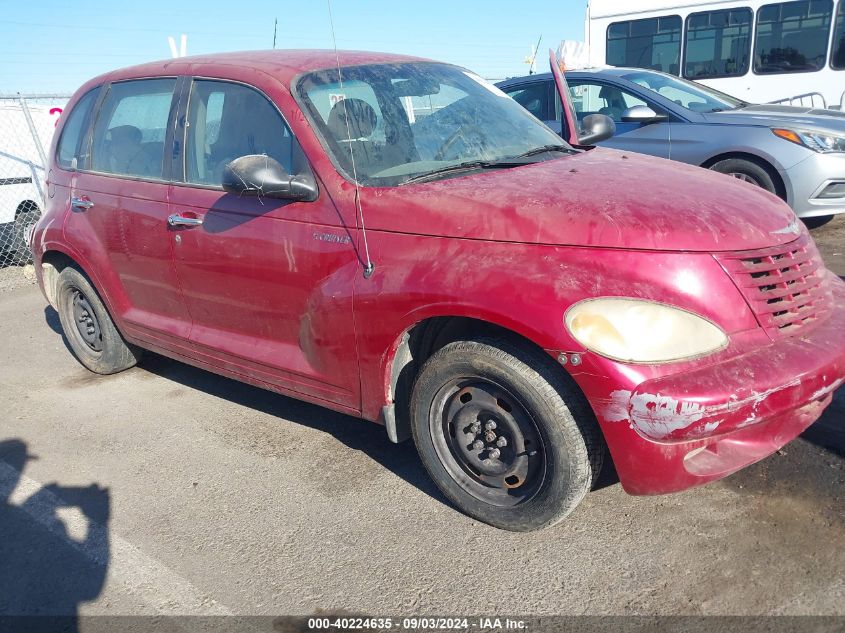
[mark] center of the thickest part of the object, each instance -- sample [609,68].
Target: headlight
[817,141]
[638,331]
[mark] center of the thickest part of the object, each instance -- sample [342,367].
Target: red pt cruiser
[396,239]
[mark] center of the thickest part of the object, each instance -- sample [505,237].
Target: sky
[54,46]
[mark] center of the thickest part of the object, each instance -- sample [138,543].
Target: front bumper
[807,180]
[682,430]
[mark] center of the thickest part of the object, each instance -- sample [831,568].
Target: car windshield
[388,124]
[690,95]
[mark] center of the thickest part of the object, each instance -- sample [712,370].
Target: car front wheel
[747,171]
[504,434]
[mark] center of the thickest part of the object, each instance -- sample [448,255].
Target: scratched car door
[267,282]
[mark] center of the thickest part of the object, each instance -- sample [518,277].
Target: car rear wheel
[504,435]
[747,171]
[88,328]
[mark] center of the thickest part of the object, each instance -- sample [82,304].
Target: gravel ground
[831,241]
[182,492]
[14,277]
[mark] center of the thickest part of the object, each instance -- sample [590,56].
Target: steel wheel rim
[503,463]
[85,320]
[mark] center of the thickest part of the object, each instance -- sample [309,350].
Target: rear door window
[131,128]
[68,153]
[534,97]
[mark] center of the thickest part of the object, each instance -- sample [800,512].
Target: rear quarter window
[68,154]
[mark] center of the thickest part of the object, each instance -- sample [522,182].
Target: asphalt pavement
[169,490]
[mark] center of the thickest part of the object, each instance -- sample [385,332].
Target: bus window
[792,36]
[653,43]
[718,44]
[837,57]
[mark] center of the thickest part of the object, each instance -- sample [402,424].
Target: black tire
[817,222]
[553,449]
[88,328]
[748,171]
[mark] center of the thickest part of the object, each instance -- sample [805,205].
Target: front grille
[784,285]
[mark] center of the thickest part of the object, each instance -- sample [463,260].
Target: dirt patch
[830,239]
[14,277]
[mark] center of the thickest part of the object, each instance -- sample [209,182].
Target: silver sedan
[796,153]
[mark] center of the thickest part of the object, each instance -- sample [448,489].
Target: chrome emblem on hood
[794,229]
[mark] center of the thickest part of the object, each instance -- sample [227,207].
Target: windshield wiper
[731,109]
[538,150]
[510,161]
[465,166]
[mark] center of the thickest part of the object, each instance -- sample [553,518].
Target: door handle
[181,220]
[81,204]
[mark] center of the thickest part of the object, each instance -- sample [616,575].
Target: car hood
[782,116]
[598,198]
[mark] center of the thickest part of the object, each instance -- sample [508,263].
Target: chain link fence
[27,123]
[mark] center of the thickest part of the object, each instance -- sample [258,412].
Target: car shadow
[49,564]
[828,432]
[370,439]
[51,318]
[354,433]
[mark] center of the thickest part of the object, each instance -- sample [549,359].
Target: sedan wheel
[747,171]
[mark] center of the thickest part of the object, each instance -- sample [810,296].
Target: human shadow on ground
[47,566]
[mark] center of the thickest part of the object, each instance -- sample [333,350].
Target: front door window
[598,98]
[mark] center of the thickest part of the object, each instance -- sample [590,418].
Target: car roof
[608,71]
[283,64]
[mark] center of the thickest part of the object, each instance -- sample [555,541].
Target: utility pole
[275,25]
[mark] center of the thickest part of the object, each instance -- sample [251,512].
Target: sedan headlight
[817,141]
[638,331]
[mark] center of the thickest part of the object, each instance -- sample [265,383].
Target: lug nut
[478,445]
[494,454]
[490,425]
[501,442]
[475,428]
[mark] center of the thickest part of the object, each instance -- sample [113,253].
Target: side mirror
[260,175]
[642,114]
[596,128]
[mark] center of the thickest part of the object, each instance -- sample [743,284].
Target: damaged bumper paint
[686,429]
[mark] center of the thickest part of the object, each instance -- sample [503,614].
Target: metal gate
[27,123]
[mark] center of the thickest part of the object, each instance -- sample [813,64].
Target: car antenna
[369,267]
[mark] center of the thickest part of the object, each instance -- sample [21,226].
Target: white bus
[755,50]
